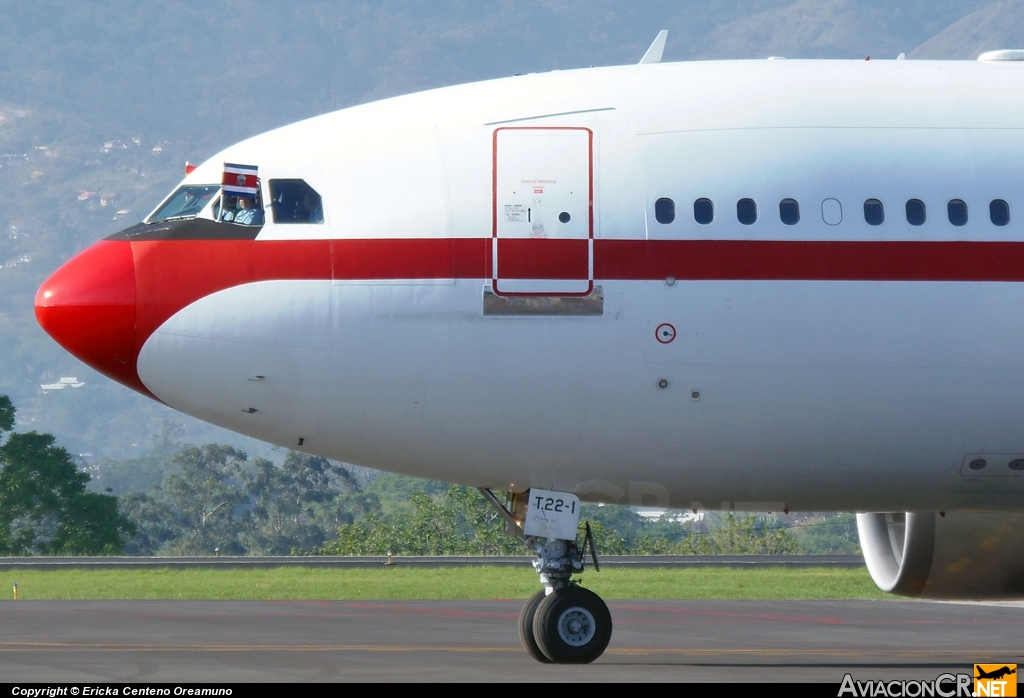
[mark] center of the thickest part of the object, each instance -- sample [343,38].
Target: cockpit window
[186,202]
[294,201]
[240,210]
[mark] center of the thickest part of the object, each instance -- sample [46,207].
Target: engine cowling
[956,556]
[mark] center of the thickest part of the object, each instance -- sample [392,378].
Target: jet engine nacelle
[956,556]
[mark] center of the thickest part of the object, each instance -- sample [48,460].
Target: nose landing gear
[562,623]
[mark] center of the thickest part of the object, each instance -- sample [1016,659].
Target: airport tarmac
[203,641]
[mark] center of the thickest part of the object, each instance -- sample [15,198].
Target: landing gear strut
[563,623]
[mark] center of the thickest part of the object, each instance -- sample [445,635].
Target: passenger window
[665,211]
[789,211]
[831,212]
[746,211]
[874,212]
[294,201]
[957,211]
[703,211]
[999,212]
[915,212]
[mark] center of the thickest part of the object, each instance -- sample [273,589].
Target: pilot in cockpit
[248,212]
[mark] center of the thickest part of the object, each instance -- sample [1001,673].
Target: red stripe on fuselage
[819,260]
[527,258]
[171,274]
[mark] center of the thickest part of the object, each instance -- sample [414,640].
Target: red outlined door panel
[543,225]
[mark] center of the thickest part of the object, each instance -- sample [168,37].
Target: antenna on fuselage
[653,54]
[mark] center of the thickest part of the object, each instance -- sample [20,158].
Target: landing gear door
[543,211]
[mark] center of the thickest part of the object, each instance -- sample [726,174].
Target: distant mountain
[823,29]
[996,26]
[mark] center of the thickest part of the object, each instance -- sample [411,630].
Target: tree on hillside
[749,534]
[155,523]
[459,522]
[213,497]
[44,504]
[833,534]
[300,504]
[204,497]
[6,414]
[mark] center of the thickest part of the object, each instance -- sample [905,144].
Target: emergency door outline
[543,211]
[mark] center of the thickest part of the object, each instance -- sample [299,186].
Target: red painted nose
[88,307]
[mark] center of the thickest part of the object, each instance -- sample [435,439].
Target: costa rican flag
[240,180]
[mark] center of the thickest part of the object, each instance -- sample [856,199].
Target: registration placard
[552,515]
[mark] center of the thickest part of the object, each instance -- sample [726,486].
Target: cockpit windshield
[186,202]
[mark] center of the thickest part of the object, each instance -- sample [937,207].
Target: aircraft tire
[572,625]
[526,635]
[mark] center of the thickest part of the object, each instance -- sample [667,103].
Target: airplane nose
[88,307]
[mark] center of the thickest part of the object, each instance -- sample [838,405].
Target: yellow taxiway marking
[57,646]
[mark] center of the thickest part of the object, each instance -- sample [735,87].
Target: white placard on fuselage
[552,515]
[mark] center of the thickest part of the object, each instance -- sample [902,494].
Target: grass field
[433,583]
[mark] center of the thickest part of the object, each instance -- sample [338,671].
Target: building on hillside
[64,382]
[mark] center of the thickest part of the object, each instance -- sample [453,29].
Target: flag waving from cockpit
[240,180]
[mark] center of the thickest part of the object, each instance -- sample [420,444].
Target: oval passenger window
[831,212]
[746,211]
[999,212]
[915,212]
[789,211]
[664,211]
[874,212]
[957,211]
[703,211]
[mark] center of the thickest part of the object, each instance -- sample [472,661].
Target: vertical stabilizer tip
[653,54]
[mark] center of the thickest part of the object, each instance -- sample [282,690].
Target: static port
[977,464]
[662,383]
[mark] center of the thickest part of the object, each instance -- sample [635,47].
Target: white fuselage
[828,364]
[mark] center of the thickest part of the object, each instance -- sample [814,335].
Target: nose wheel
[571,625]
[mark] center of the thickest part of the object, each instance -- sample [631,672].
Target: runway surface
[349,561]
[141,641]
